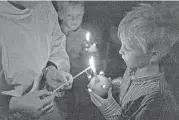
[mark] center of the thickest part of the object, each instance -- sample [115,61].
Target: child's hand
[99,101]
[116,83]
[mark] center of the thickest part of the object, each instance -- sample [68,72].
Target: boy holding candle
[147,34]
[70,18]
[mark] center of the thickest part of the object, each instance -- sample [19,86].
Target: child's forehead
[126,41]
[131,44]
[74,9]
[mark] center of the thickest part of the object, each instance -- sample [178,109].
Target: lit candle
[92,65]
[88,36]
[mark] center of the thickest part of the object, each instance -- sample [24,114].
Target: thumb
[69,77]
[36,83]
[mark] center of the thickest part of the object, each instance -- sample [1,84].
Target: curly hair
[151,27]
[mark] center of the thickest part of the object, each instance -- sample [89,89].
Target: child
[70,18]
[147,34]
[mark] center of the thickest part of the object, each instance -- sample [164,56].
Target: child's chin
[74,27]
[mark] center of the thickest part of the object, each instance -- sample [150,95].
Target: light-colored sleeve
[5,113]
[58,53]
[16,116]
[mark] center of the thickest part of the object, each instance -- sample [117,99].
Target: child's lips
[123,58]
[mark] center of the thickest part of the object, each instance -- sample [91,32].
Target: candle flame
[88,36]
[92,64]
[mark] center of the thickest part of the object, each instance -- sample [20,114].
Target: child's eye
[128,49]
[79,16]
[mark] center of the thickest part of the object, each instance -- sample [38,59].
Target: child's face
[73,16]
[133,57]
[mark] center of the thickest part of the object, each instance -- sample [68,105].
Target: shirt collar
[148,78]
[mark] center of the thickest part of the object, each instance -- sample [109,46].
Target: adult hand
[99,101]
[67,77]
[33,104]
[56,77]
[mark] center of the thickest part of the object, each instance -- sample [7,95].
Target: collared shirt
[145,98]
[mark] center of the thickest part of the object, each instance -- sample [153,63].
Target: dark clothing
[116,65]
[79,104]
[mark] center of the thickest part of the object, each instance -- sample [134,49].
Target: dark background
[99,17]
[103,14]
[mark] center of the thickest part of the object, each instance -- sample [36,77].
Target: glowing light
[90,90]
[88,36]
[92,64]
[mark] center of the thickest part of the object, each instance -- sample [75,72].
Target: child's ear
[155,56]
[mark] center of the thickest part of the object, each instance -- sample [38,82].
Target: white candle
[92,65]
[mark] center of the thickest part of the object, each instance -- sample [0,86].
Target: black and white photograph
[89,60]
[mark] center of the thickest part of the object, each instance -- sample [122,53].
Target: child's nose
[73,17]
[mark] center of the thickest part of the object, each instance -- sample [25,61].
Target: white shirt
[29,38]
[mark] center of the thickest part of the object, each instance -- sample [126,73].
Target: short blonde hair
[152,27]
[62,6]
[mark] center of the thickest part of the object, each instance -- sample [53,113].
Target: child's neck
[147,71]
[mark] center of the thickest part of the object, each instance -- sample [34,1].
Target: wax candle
[100,85]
